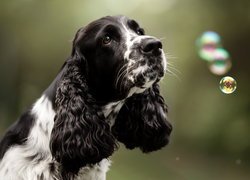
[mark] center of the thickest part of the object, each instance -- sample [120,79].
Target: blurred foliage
[211,130]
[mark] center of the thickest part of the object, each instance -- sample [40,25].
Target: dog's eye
[140,32]
[106,39]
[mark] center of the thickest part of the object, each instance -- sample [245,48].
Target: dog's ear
[77,43]
[142,122]
[80,135]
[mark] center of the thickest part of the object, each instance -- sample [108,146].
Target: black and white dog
[107,91]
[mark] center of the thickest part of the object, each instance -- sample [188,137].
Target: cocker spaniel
[106,91]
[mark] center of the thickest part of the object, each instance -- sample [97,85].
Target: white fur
[97,172]
[111,110]
[16,164]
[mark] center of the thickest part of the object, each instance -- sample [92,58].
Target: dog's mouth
[142,78]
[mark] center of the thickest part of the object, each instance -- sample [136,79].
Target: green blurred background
[211,137]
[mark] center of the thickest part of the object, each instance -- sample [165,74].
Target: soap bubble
[221,62]
[220,67]
[207,54]
[209,39]
[221,54]
[228,85]
[209,46]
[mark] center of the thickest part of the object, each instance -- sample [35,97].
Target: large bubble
[209,39]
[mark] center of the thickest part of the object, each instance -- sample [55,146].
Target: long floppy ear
[142,121]
[80,135]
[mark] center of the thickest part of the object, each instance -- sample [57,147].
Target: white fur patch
[97,172]
[111,110]
[31,161]
[17,163]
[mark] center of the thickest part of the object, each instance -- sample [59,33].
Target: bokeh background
[211,137]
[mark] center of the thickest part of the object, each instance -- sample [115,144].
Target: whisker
[171,70]
[162,38]
[172,73]
[119,74]
[171,66]
[123,73]
[130,69]
[170,56]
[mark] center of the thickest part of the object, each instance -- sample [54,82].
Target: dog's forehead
[116,19]
[121,21]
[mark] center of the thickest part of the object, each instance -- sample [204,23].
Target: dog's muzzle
[148,61]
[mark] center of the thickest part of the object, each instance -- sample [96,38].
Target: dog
[106,92]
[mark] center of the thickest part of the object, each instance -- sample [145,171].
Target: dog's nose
[151,46]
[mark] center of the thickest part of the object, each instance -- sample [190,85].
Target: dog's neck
[111,110]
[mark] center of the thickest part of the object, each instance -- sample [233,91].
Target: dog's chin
[148,76]
[145,80]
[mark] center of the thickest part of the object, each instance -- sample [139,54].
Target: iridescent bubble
[210,49]
[207,54]
[220,67]
[228,85]
[221,53]
[221,62]
[209,39]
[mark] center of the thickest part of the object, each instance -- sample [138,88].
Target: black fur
[142,121]
[88,81]
[17,133]
[103,61]
[80,135]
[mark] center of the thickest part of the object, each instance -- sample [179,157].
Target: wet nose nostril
[148,47]
[152,46]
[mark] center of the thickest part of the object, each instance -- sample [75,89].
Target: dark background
[211,137]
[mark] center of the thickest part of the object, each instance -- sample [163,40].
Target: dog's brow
[112,30]
[110,27]
[133,24]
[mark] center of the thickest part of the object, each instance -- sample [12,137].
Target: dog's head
[119,57]
[112,60]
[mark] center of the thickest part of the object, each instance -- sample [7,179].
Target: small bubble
[228,85]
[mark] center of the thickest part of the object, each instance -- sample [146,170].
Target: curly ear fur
[142,121]
[80,135]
